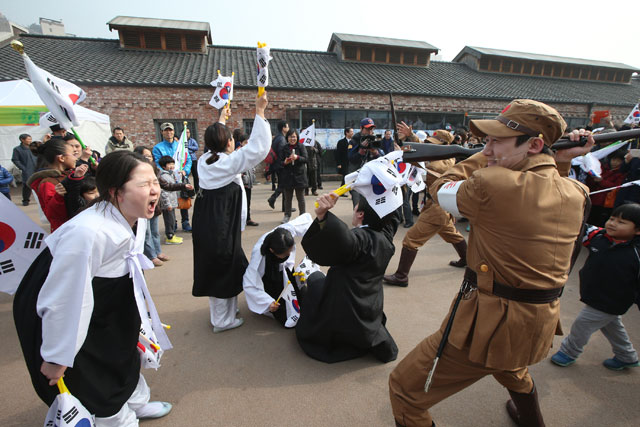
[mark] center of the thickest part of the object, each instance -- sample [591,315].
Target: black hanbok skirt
[219,262]
[106,370]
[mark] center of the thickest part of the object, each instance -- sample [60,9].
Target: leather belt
[531,296]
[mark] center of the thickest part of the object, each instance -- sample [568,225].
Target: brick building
[160,70]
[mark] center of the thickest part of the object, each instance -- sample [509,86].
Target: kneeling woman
[78,308]
[266,276]
[220,214]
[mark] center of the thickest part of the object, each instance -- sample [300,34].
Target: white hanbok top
[229,167]
[98,242]
[257,299]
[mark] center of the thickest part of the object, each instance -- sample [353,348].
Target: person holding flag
[169,147]
[81,305]
[342,314]
[220,215]
[273,256]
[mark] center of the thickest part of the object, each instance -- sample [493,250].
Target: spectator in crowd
[118,141]
[169,198]
[248,177]
[56,158]
[167,147]
[26,161]
[5,179]
[293,177]
[608,287]
[387,142]
[361,150]
[342,154]
[313,163]
[612,175]
[278,143]
[193,147]
[631,168]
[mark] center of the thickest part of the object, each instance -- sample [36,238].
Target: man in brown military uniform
[525,219]
[432,219]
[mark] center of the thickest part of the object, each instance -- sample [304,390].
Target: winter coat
[25,160]
[293,175]
[114,145]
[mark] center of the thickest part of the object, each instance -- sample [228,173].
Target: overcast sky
[598,30]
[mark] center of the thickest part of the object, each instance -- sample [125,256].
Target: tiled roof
[103,62]
[479,51]
[384,41]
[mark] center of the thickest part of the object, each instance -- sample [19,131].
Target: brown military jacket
[524,223]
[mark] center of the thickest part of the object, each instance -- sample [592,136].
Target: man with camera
[363,147]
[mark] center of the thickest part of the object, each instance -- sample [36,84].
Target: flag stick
[260,88]
[340,191]
[84,147]
[283,291]
[153,345]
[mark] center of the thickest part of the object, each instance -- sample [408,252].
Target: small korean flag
[308,136]
[67,411]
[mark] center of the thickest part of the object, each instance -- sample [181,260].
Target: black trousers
[26,192]
[288,198]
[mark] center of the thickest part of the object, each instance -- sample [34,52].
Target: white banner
[590,162]
[57,94]
[223,92]
[21,241]
[263,59]
[308,136]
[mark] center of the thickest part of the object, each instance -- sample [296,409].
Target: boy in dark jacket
[609,285]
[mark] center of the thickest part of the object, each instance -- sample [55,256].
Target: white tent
[20,111]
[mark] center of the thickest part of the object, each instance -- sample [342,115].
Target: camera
[371,141]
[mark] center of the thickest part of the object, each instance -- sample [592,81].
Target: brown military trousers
[433,219]
[409,402]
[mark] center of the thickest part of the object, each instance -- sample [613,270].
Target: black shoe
[272,202]
[320,187]
[252,223]
[408,225]
[314,194]
[25,203]
[416,211]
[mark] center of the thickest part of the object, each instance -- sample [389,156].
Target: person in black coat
[293,175]
[341,315]
[342,153]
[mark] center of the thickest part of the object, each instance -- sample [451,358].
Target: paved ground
[258,376]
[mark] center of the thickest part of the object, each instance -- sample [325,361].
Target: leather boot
[523,408]
[433,424]
[461,249]
[401,276]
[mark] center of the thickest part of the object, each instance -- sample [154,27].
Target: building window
[173,41]
[381,55]
[494,64]
[194,42]
[394,56]
[484,63]
[506,66]
[409,58]
[423,58]
[131,38]
[350,52]
[152,41]
[178,126]
[537,69]
[365,54]
[527,68]
[547,70]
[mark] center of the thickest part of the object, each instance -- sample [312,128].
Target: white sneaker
[154,410]
[236,324]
